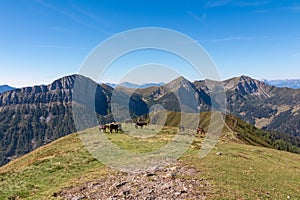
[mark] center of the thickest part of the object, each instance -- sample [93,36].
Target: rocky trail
[172,182]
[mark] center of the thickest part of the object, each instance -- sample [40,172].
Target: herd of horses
[117,127]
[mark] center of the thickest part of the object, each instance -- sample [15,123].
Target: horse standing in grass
[141,124]
[200,130]
[103,127]
[181,128]
[114,126]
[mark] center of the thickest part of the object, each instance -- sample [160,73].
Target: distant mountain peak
[245,85]
[238,79]
[179,81]
[290,83]
[181,78]
[244,77]
[4,88]
[135,85]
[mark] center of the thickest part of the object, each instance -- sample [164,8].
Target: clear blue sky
[41,40]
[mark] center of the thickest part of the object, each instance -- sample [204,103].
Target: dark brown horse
[200,130]
[114,126]
[181,128]
[141,124]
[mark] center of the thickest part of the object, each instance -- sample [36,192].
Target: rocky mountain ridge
[34,116]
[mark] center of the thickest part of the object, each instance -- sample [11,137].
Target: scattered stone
[173,168]
[163,184]
[219,153]
[121,184]
[150,174]
[183,191]
[170,175]
[126,192]
[78,198]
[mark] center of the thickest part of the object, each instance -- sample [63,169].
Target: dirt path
[173,182]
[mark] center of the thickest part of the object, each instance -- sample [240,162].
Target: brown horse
[114,126]
[141,124]
[103,127]
[200,130]
[181,128]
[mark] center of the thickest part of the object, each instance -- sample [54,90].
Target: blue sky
[41,40]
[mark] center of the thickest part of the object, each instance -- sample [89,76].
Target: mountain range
[134,85]
[34,116]
[290,83]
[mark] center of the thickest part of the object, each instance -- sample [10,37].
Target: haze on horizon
[44,40]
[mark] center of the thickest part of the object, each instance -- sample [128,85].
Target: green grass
[249,172]
[43,172]
[241,172]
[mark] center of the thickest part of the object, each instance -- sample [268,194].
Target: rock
[150,174]
[78,198]
[219,153]
[121,184]
[173,168]
[183,191]
[126,192]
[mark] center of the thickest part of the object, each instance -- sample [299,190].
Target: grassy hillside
[233,170]
[238,130]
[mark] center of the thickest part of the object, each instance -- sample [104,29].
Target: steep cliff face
[34,116]
[245,85]
[59,91]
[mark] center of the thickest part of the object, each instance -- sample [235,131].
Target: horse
[114,126]
[200,130]
[103,127]
[181,128]
[141,124]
